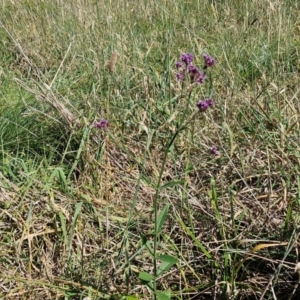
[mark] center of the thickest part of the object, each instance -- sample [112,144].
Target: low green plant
[190,77]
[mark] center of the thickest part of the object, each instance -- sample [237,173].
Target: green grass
[142,210]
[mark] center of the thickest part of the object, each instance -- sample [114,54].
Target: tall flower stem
[186,71]
[155,206]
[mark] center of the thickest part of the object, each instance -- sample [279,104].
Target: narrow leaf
[76,214]
[131,298]
[262,246]
[231,138]
[195,240]
[161,218]
[63,226]
[172,183]
[168,258]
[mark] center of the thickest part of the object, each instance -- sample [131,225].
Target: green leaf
[147,244]
[172,183]
[131,298]
[195,240]
[149,139]
[145,276]
[143,238]
[166,295]
[231,138]
[161,218]
[168,258]
[63,226]
[78,155]
[62,178]
[149,248]
[167,263]
[73,226]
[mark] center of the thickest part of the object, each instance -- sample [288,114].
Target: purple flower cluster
[185,68]
[102,124]
[187,58]
[195,75]
[203,105]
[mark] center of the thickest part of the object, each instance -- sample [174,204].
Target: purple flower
[187,58]
[200,78]
[205,104]
[184,66]
[208,61]
[202,105]
[178,65]
[210,102]
[193,71]
[102,124]
[196,75]
[179,76]
[214,150]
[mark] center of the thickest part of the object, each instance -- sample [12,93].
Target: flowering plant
[187,70]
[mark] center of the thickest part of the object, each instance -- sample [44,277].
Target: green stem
[156,233]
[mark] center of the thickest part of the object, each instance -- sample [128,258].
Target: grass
[142,209]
